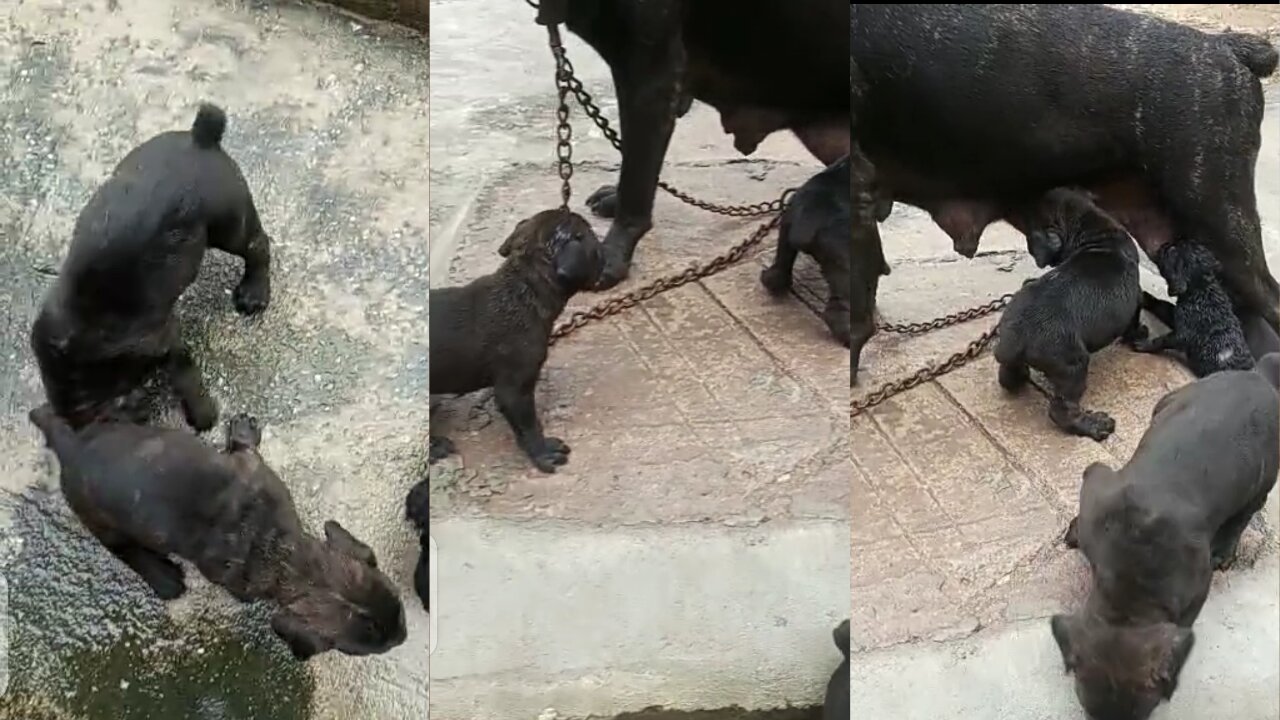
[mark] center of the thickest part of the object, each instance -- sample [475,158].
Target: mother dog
[967,111]
[764,65]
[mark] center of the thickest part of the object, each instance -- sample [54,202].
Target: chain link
[564,131]
[858,406]
[955,318]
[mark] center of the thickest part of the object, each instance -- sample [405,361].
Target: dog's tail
[1269,368]
[841,636]
[57,433]
[210,123]
[1254,51]
[1162,309]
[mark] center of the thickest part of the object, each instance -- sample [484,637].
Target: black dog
[1203,326]
[1090,298]
[969,111]
[147,493]
[1154,531]
[107,324]
[816,222]
[493,332]
[836,704]
[662,53]
[418,511]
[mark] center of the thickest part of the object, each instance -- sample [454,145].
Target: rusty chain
[567,83]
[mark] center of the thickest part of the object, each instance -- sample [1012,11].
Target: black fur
[1204,326]
[107,324]
[148,493]
[1154,531]
[493,332]
[1090,299]
[816,222]
[836,704]
[418,511]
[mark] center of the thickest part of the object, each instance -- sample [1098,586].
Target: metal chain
[564,131]
[955,318]
[858,406]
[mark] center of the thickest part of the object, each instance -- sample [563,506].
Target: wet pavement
[708,428]
[961,495]
[328,121]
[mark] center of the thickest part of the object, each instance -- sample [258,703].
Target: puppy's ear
[1044,246]
[301,640]
[522,228]
[1178,648]
[1065,629]
[339,539]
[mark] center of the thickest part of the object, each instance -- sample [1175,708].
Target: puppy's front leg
[515,402]
[247,240]
[1069,380]
[1136,332]
[1158,344]
[777,277]
[200,409]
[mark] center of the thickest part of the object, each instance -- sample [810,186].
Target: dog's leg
[200,409]
[1227,539]
[441,447]
[1070,379]
[1136,332]
[253,245]
[1013,376]
[646,80]
[1071,538]
[515,402]
[777,277]
[1157,344]
[164,576]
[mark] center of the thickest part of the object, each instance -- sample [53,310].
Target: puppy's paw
[1222,562]
[440,448]
[251,298]
[1096,425]
[243,432]
[775,280]
[604,201]
[553,453]
[201,414]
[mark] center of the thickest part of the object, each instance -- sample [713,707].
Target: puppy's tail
[1254,52]
[57,433]
[841,636]
[210,124]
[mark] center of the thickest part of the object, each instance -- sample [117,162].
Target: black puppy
[836,704]
[816,222]
[1154,531]
[107,324]
[1088,300]
[663,52]
[493,331]
[1204,327]
[147,493]
[418,512]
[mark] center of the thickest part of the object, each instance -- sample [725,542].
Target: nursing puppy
[1204,326]
[147,493]
[107,324]
[836,704]
[493,331]
[418,512]
[1087,301]
[816,222]
[1155,530]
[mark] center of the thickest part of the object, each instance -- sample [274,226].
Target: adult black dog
[1154,531]
[107,324]
[967,111]
[764,65]
[147,493]
[493,331]
[836,704]
[1087,301]
[1204,328]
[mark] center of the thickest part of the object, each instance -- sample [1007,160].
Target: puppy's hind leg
[253,245]
[200,409]
[164,576]
[1069,377]
[777,277]
[515,402]
[1013,375]
[1227,539]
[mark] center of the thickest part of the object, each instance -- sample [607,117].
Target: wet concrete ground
[693,554]
[329,122]
[961,494]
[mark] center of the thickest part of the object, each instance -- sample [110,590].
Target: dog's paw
[251,298]
[440,448]
[616,268]
[553,453]
[1096,425]
[775,280]
[1071,537]
[1222,562]
[604,201]
[243,431]
[201,414]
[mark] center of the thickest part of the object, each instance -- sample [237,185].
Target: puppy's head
[562,242]
[1061,220]
[1122,673]
[343,601]
[1185,263]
